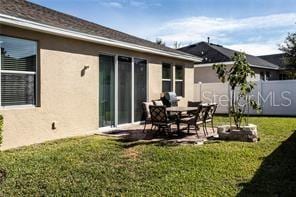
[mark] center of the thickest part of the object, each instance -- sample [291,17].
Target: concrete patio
[134,134]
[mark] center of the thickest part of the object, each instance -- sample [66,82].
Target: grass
[102,166]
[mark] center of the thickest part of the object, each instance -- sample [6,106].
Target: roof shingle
[212,53]
[36,13]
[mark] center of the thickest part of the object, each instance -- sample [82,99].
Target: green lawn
[101,166]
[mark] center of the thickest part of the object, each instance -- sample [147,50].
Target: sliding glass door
[140,84]
[106,91]
[122,89]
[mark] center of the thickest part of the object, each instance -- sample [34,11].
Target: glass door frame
[98,94]
[115,56]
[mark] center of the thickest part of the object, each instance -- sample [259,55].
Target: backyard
[105,166]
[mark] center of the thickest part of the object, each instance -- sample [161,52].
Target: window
[179,81]
[166,77]
[268,76]
[18,71]
[265,76]
[262,76]
[284,76]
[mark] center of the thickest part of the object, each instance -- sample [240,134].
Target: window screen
[18,71]
[166,77]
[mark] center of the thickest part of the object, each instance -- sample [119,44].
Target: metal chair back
[158,114]
[204,114]
[212,110]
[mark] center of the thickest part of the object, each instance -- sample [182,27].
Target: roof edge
[270,68]
[211,64]
[230,63]
[31,25]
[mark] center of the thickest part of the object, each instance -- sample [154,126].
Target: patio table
[179,111]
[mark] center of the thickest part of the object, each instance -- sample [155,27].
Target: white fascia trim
[211,64]
[264,67]
[26,24]
[230,63]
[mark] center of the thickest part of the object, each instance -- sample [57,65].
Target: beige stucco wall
[66,97]
[205,75]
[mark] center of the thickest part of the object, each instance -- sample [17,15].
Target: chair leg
[158,129]
[144,127]
[152,127]
[196,127]
[213,126]
[204,129]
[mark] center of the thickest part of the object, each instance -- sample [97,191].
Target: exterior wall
[205,75]
[67,97]
[208,75]
[274,74]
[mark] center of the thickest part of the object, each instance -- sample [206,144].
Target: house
[215,54]
[286,71]
[62,76]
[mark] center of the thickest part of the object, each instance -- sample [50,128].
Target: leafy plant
[289,48]
[160,42]
[237,77]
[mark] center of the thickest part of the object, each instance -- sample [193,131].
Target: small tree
[289,48]
[159,42]
[237,77]
[177,44]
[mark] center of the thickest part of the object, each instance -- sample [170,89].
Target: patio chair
[209,115]
[193,104]
[194,120]
[158,103]
[159,118]
[204,113]
[146,114]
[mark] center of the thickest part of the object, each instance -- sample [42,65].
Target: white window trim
[28,106]
[180,80]
[165,79]
[18,72]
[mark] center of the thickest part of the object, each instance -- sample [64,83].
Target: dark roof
[213,53]
[277,59]
[36,13]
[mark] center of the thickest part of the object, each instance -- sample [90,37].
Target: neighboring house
[215,54]
[286,71]
[63,76]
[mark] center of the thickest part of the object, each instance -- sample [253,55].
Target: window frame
[35,73]
[165,79]
[180,80]
[267,75]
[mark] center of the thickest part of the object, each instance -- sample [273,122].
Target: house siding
[208,75]
[66,97]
